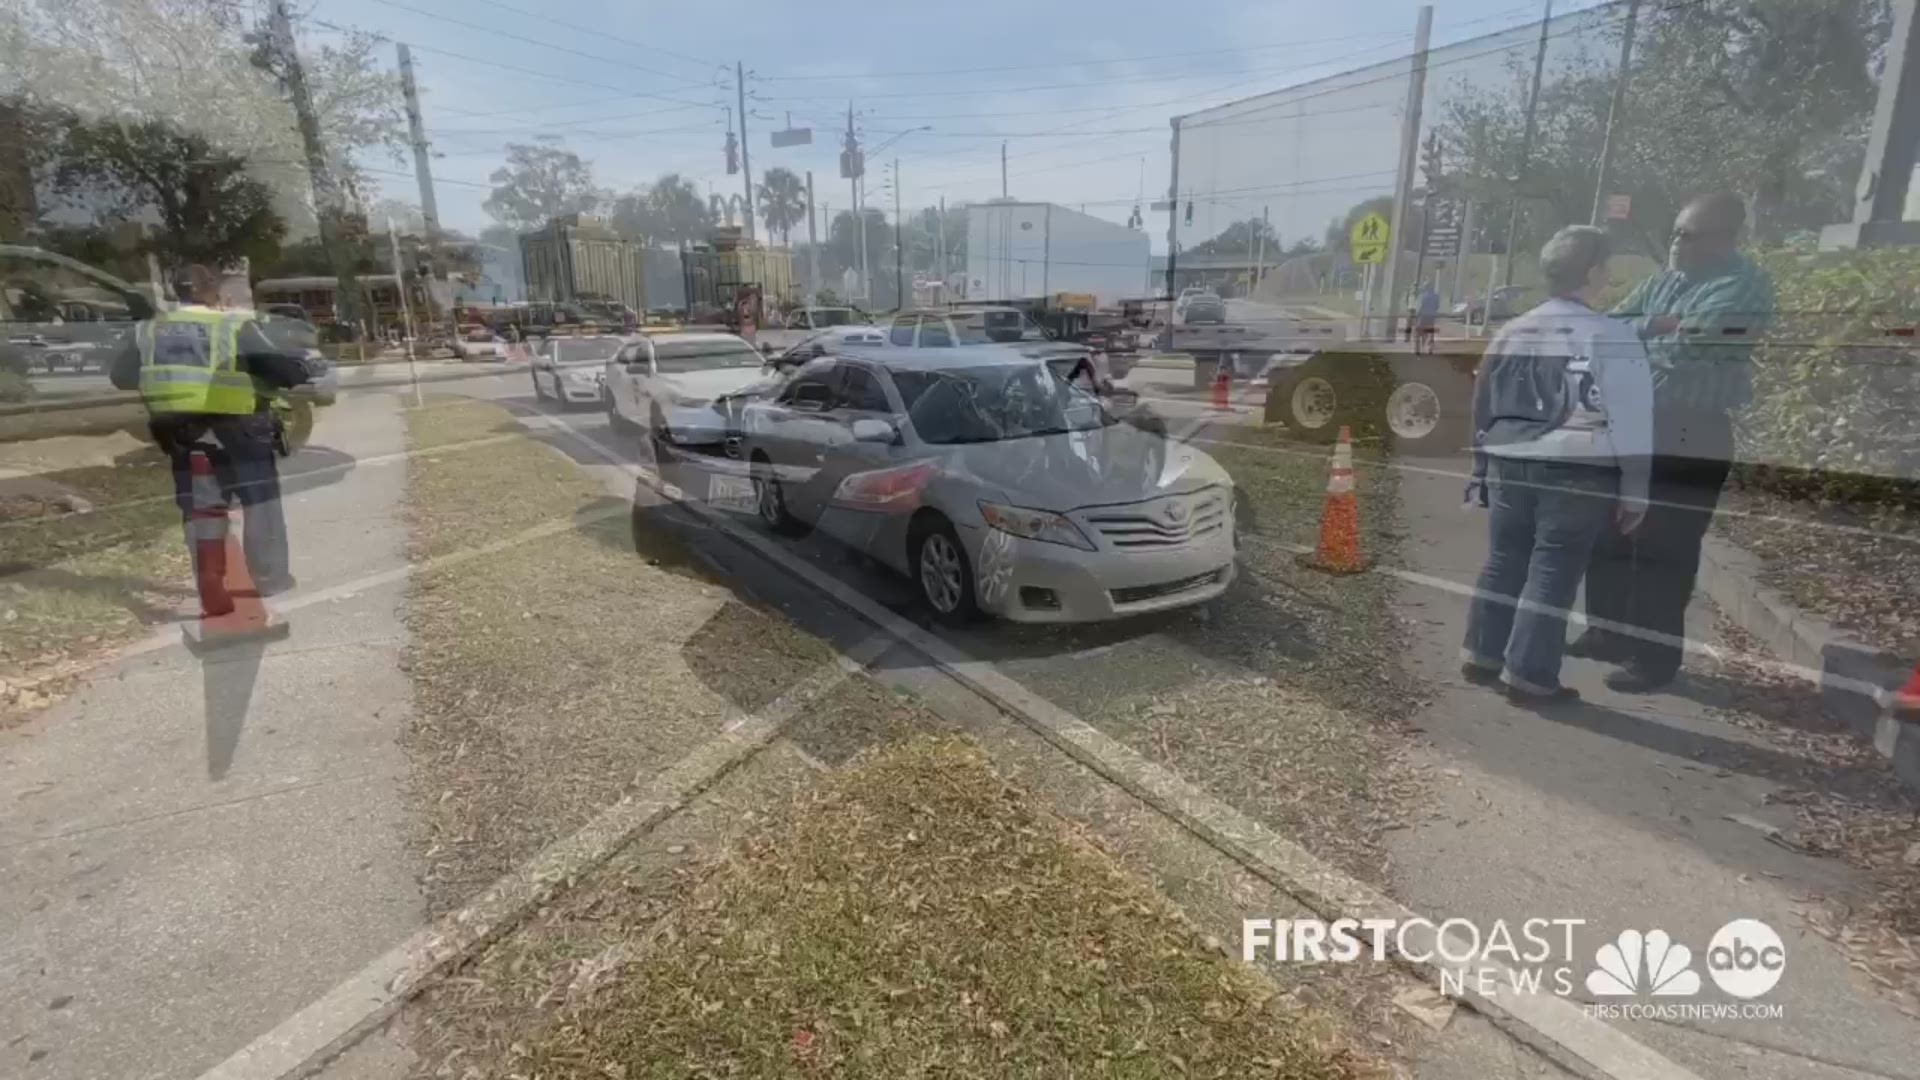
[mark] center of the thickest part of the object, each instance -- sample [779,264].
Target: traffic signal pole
[746,163]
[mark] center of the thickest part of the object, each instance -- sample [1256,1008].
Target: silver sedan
[993,484]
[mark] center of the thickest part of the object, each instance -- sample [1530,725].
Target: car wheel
[659,435]
[770,501]
[619,424]
[1427,411]
[941,570]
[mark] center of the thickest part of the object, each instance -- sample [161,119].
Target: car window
[571,351]
[861,391]
[935,335]
[45,291]
[832,317]
[903,330]
[993,403]
[995,327]
[678,357]
[812,387]
[632,354]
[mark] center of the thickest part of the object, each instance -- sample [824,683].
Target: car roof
[901,358]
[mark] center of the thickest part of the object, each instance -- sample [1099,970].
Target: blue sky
[1081,91]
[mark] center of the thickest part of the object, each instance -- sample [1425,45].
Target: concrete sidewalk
[189,852]
[1616,810]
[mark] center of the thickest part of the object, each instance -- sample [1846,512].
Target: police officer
[205,374]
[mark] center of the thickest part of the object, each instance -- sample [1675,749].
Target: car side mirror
[875,431]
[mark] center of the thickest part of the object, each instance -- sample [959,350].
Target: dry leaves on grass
[917,917]
[1858,570]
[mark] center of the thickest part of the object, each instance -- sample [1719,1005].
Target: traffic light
[1189,211]
[733,154]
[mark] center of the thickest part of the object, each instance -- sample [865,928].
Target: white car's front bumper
[572,390]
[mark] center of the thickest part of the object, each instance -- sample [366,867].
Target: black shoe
[1594,645]
[1479,676]
[1637,679]
[1529,700]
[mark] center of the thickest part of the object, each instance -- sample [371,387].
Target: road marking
[306,1041]
[1554,1026]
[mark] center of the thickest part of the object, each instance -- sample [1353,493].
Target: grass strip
[549,677]
[916,916]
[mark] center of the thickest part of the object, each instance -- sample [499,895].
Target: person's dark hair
[1568,259]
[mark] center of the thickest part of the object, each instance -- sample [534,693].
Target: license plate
[731,492]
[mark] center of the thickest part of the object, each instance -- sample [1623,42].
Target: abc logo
[1746,958]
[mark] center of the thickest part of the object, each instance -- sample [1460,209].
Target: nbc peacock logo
[1636,963]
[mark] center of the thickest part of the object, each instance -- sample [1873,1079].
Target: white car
[673,386]
[567,370]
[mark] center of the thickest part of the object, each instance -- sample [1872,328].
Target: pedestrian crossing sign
[1369,237]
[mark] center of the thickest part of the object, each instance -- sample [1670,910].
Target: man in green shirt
[1699,319]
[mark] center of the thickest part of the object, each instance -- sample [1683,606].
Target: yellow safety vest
[190,362]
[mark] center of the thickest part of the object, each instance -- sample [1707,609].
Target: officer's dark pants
[248,470]
[1644,580]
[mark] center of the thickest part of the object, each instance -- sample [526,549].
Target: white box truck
[1023,251]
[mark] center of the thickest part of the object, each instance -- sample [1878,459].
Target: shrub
[1836,410]
[14,386]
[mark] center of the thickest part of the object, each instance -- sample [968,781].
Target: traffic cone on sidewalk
[1906,700]
[1339,548]
[1222,388]
[230,606]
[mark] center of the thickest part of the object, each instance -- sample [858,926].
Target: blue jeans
[1545,517]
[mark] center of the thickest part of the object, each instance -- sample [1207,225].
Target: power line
[523,39]
[537,127]
[600,32]
[495,64]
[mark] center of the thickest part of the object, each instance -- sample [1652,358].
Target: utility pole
[813,247]
[284,61]
[940,246]
[854,166]
[1884,194]
[746,164]
[1260,253]
[1615,112]
[1526,144]
[899,274]
[1173,221]
[1003,168]
[422,171]
[1409,151]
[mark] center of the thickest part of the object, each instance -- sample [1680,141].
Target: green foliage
[209,208]
[541,180]
[1835,397]
[783,201]
[668,211]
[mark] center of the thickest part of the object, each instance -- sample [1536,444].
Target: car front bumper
[574,391]
[1031,581]
[694,425]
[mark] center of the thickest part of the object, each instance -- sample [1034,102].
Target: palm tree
[783,201]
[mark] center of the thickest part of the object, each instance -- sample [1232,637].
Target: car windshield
[994,403]
[678,357]
[824,317]
[995,327]
[584,350]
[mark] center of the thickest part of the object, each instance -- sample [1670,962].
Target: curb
[1856,680]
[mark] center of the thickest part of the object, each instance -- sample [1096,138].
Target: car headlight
[1043,525]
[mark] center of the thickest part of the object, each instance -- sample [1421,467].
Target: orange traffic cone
[230,606]
[1339,549]
[1222,387]
[1906,700]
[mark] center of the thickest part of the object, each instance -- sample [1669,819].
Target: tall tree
[783,201]
[541,180]
[209,209]
[1240,238]
[681,215]
[843,245]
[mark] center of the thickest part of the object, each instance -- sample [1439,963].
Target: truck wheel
[1309,402]
[1428,410]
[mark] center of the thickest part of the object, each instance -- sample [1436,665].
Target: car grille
[1167,522]
[1142,593]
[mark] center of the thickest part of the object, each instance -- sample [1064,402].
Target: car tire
[941,571]
[770,501]
[616,423]
[1427,410]
[659,435]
